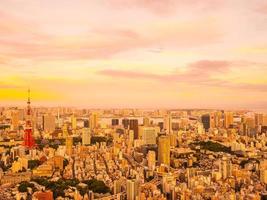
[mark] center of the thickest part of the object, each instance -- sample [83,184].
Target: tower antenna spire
[29,93]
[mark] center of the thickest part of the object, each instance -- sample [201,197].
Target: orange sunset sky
[134,53]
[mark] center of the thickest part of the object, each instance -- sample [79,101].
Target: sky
[134,53]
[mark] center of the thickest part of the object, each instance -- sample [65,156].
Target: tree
[97,186]
[23,186]
[33,163]
[82,190]
[65,162]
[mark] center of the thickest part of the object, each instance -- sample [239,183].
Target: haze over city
[133,100]
[134,53]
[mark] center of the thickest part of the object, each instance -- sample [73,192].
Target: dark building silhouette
[114,122]
[133,125]
[161,125]
[86,124]
[205,119]
[125,123]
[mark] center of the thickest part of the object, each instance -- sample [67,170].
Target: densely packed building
[133,154]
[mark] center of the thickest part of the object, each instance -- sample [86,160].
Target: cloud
[262,9]
[198,70]
[130,74]
[208,66]
[165,7]
[200,73]
[102,41]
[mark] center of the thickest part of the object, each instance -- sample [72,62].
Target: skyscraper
[258,119]
[15,120]
[132,189]
[205,119]
[134,126]
[114,122]
[73,122]
[93,120]
[212,120]
[218,119]
[228,119]
[151,160]
[149,135]
[225,167]
[86,136]
[164,150]
[65,131]
[28,137]
[125,123]
[69,144]
[146,121]
[168,124]
[49,123]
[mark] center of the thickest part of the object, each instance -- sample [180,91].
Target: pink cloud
[36,45]
[199,74]
[262,9]
[210,65]
[166,7]
[130,74]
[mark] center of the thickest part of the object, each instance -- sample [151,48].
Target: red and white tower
[28,135]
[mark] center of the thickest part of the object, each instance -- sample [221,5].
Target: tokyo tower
[28,137]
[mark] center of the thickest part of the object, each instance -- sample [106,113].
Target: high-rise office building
[228,119]
[117,186]
[130,137]
[93,120]
[86,124]
[205,119]
[146,121]
[69,145]
[73,122]
[151,160]
[250,122]
[149,134]
[225,167]
[114,122]
[173,140]
[258,119]
[161,125]
[168,124]
[218,119]
[15,120]
[49,123]
[86,136]
[132,189]
[212,120]
[65,131]
[133,125]
[125,123]
[164,150]
[264,120]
